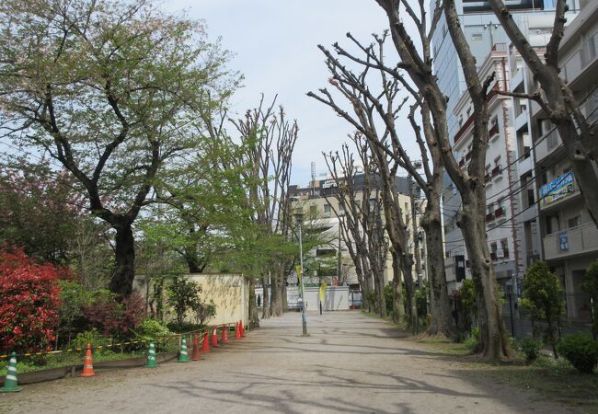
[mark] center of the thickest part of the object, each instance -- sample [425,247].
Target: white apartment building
[511,220]
[501,174]
[319,204]
[569,237]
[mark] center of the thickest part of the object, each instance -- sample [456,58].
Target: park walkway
[350,363]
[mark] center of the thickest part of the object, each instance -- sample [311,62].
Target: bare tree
[355,90]
[374,92]
[416,62]
[558,101]
[362,227]
[269,139]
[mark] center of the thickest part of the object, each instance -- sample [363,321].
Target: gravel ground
[350,363]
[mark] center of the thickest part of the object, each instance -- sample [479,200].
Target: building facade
[569,236]
[323,213]
[512,212]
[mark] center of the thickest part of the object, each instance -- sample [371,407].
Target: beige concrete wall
[229,293]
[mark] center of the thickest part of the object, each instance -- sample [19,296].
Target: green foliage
[38,210]
[73,298]
[92,337]
[421,300]
[389,294]
[590,286]
[150,330]
[204,311]
[467,294]
[581,350]
[183,295]
[473,341]
[543,297]
[531,348]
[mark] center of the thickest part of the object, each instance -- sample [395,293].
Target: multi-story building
[513,234]
[501,173]
[321,208]
[569,236]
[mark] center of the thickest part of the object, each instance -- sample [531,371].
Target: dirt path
[350,364]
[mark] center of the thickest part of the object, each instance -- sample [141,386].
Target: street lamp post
[299,216]
[338,261]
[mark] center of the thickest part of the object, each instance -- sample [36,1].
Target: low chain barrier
[161,340]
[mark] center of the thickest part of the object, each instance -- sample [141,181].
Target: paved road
[351,363]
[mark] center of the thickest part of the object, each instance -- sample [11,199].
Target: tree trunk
[442,322]
[124,271]
[492,330]
[283,295]
[265,297]
[397,297]
[254,319]
[276,302]
[193,263]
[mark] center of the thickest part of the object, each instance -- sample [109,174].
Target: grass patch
[67,359]
[554,379]
[446,346]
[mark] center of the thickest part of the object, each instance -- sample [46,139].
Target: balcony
[548,145]
[579,240]
[563,187]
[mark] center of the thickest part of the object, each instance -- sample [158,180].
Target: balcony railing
[548,144]
[578,240]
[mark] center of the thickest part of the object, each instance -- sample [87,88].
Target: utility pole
[299,218]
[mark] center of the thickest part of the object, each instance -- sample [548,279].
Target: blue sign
[563,241]
[558,188]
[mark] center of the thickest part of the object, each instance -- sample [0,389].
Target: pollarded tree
[361,225]
[414,50]
[109,89]
[543,296]
[375,91]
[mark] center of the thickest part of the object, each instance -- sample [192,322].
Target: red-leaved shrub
[116,319]
[29,302]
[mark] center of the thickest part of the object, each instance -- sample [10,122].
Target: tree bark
[265,297]
[254,319]
[121,282]
[442,322]
[276,293]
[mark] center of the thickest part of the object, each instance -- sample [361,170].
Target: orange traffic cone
[195,353]
[224,338]
[237,331]
[88,363]
[242,329]
[206,343]
[214,339]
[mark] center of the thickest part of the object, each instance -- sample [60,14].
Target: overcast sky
[274,46]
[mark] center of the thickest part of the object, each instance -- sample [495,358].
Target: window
[493,250]
[313,211]
[504,244]
[574,222]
